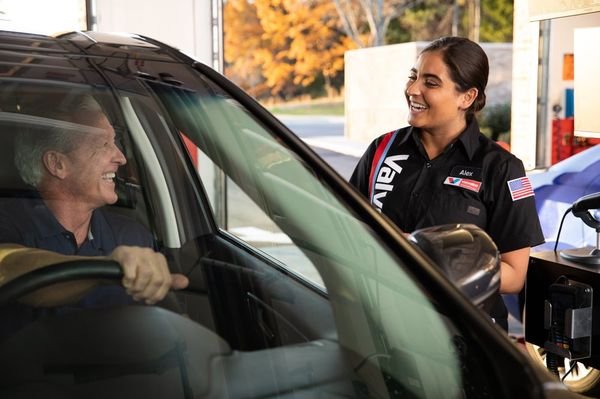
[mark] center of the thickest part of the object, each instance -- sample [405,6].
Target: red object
[381,150]
[192,149]
[562,138]
[504,145]
[565,143]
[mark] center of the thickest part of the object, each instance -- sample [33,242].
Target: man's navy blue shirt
[29,222]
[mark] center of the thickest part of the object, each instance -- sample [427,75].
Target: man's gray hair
[33,142]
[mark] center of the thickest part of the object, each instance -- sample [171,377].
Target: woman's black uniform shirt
[473,181]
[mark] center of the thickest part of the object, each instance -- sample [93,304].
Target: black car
[298,287]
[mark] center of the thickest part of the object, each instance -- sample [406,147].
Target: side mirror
[467,256]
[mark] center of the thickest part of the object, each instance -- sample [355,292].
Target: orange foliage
[283,44]
[242,36]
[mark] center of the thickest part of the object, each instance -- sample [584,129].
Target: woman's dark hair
[468,66]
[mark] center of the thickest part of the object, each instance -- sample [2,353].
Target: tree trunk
[474,19]
[455,18]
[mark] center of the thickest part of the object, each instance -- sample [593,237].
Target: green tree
[434,18]
[496,21]
[495,120]
[429,20]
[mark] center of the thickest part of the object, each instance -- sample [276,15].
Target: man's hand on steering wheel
[146,274]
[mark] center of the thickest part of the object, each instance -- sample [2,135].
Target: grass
[314,108]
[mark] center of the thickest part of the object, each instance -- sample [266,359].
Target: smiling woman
[441,169]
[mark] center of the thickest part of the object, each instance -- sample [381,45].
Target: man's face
[92,165]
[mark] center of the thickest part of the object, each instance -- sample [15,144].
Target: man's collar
[45,222]
[48,226]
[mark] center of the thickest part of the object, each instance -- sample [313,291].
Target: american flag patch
[520,188]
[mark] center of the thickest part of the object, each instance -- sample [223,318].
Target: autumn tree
[285,47]
[242,41]
[298,41]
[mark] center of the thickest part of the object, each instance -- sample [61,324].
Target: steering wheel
[59,273]
[72,271]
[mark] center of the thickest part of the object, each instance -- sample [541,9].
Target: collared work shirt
[27,221]
[473,181]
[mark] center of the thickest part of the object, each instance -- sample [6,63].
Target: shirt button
[415,195]
[428,164]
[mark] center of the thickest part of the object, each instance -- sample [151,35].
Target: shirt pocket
[457,205]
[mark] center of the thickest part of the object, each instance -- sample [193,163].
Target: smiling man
[72,165]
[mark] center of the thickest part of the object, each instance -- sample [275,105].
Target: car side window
[247,221]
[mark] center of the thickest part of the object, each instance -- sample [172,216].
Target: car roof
[89,44]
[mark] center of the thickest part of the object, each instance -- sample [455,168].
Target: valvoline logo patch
[468,184]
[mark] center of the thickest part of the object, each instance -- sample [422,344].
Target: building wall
[525,85]
[186,27]
[374,89]
[375,79]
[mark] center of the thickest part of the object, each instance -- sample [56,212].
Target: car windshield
[290,292]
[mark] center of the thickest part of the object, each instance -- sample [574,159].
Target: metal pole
[220,182]
[455,12]
[476,19]
[541,159]
[217,32]
[90,15]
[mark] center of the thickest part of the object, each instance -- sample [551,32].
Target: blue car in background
[555,191]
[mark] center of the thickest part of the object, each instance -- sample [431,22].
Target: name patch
[467,172]
[468,184]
